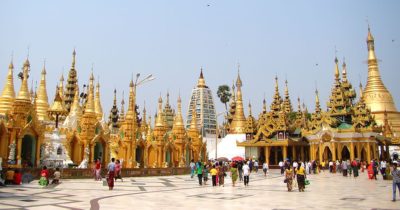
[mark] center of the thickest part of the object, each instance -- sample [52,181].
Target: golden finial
[337,74]
[298,104]
[193,122]
[75,107]
[159,119]
[178,122]
[8,96]
[42,104]
[73,58]
[250,112]
[90,105]
[238,80]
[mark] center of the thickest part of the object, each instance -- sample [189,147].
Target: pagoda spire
[90,107]
[317,104]
[159,120]
[193,122]
[344,71]
[8,96]
[264,106]
[131,106]
[122,113]
[23,93]
[201,83]
[178,122]
[337,74]
[286,102]
[61,86]
[42,104]
[250,112]
[377,97]
[239,120]
[97,102]
[277,101]
[75,107]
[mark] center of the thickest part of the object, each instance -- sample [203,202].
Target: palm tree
[224,94]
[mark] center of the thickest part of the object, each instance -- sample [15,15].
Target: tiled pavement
[327,191]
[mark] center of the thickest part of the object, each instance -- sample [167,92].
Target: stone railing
[74,173]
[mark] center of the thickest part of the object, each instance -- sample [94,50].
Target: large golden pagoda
[377,96]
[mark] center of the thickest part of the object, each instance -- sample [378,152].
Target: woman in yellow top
[214,173]
[301,177]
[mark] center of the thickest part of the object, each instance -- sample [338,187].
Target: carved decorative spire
[337,74]
[277,101]
[97,104]
[114,112]
[71,85]
[23,93]
[8,96]
[317,105]
[264,106]
[287,104]
[42,101]
[193,122]
[61,87]
[344,71]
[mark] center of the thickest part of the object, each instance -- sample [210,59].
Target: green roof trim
[345,126]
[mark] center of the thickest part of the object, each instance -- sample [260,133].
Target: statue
[84,164]
[11,157]
[87,152]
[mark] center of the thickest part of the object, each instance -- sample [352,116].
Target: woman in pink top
[118,170]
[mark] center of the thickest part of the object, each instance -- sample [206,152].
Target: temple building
[202,100]
[360,130]
[72,130]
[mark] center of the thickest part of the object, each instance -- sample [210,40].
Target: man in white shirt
[265,168]
[295,166]
[246,174]
[383,169]
[331,166]
[281,167]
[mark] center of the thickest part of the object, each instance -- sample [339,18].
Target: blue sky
[173,39]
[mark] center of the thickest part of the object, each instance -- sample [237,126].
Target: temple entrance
[327,155]
[99,151]
[261,155]
[345,153]
[275,155]
[168,157]
[3,143]
[139,156]
[28,151]
[363,154]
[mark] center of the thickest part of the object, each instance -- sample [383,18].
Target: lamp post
[217,133]
[137,83]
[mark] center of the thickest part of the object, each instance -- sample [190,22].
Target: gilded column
[294,153]
[284,153]
[302,153]
[368,153]
[352,151]
[266,154]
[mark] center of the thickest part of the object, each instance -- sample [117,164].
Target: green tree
[224,94]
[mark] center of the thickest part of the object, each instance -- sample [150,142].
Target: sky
[294,40]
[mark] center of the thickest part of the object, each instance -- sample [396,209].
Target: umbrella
[223,159]
[237,158]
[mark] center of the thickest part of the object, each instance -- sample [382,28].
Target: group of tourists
[295,174]
[220,169]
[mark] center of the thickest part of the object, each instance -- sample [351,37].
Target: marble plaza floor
[326,191]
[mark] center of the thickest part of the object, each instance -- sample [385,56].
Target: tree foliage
[224,94]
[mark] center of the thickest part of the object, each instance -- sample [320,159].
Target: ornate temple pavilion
[72,129]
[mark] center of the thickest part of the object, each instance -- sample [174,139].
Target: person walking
[98,170]
[396,179]
[221,174]
[205,174]
[301,178]
[289,178]
[354,165]
[281,167]
[240,170]
[383,169]
[192,167]
[246,174]
[256,166]
[265,168]
[344,167]
[118,170]
[199,172]
[234,173]
[214,173]
[111,173]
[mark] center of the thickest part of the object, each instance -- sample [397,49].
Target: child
[205,174]
[44,177]
[57,176]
